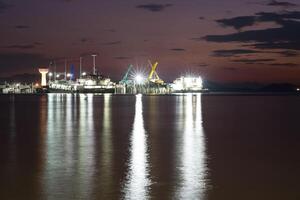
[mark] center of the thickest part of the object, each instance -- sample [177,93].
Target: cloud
[233,52]
[289,53]
[237,22]
[4,6]
[201,18]
[84,40]
[112,43]
[18,46]
[294,45]
[284,37]
[177,49]
[22,27]
[254,61]
[154,7]
[202,65]
[280,3]
[244,21]
[284,64]
[11,62]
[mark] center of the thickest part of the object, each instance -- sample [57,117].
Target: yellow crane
[153,76]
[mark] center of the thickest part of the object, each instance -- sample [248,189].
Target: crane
[153,76]
[125,77]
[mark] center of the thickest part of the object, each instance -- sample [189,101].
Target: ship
[87,84]
[188,84]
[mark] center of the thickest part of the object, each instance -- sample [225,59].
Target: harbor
[132,82]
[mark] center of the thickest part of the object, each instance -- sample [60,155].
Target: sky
[223,41]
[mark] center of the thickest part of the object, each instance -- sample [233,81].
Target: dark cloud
[276,45]
[244,21]
[284,64]
[4,6]
[284,37]
[280,3]
[154,7]
[22,27]
[177,49]
[112,43]
[288,53]
[238,22]
[233,52]
[84,40]
[18,46]
[11,62]
[202,65]
[122,57]
[201,18]
[253,61]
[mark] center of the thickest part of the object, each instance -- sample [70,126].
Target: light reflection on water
[86,150]
[138,181]
[70,146]
[192,166]
[106,155]
[72,157]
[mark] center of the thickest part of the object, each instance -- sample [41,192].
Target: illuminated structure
[43,72]
[153,76]
[139,79]
[94,64]
[125,79]
[187,84]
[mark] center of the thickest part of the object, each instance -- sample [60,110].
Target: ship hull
[97,90]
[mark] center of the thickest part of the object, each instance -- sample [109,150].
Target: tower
[94,63]
[43,72]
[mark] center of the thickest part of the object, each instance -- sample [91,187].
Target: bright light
[139,79]
[57,76]
[84,73]
[188,83]
[69,75]
[36,85]
[50,74]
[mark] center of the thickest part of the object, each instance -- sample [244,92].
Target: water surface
[64,146]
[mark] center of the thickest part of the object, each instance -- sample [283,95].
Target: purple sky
[232,40]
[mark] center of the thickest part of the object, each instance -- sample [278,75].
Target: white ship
[187,84]
[87,84]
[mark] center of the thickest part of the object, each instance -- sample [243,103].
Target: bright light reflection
[106,143]
[193,166]
[86,148]
[70,147]
[137,181]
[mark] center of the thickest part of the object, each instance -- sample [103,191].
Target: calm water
[62,146]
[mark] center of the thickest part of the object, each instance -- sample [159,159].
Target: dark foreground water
[60,146]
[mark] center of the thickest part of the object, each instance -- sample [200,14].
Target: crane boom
[125,77]
[153,68]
